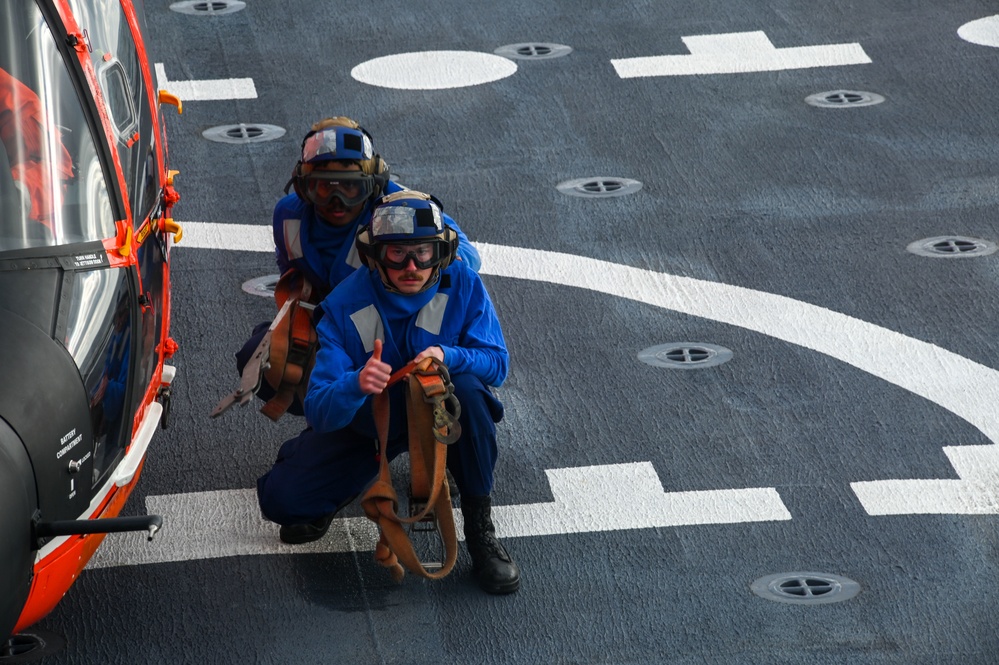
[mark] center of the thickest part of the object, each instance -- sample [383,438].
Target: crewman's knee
[479,406]
[280,490]
[276,503]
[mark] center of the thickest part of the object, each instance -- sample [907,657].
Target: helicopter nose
[19,499]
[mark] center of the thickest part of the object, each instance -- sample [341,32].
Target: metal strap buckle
[427,525]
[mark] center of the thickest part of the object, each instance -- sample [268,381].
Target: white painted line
[958,384]
[235,237]
[927,497]
[207,90]
[617,497]
[965,388]
[984,31]
[210,525]
[978,463]
[434,70]
[739,52]
[975,493]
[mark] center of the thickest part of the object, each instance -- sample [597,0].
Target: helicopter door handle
[167,225]
[171,99]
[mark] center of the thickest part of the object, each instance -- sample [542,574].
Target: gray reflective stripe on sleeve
[293,238]
[431,315]
[353,258]
[369,326]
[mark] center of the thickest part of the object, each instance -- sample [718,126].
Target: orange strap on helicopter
[431,427]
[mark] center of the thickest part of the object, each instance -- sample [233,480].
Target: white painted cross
[736,53]
[210,525]
[207,90]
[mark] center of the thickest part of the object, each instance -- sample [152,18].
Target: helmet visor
[423,255]
[351,187]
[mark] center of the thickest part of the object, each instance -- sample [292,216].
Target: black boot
[298,534]
[494,569]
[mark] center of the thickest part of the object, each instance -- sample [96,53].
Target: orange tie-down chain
[431,428]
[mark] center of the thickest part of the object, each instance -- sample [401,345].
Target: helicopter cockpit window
[116,58]
[52,187]
[114,84]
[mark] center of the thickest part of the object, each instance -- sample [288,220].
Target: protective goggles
[351,187]
[423,255]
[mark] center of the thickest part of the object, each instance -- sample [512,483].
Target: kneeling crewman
[419,302]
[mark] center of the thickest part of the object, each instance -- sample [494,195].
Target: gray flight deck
[641,502]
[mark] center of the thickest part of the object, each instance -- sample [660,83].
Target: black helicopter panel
[48,414]
[17,496]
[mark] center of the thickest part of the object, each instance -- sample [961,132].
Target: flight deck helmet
[407,218]
[339,139]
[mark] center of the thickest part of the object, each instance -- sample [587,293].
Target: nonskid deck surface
[750,415]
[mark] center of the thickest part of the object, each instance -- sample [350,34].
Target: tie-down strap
[286,353]
[431,427]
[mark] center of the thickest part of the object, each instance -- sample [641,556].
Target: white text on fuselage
[69,446]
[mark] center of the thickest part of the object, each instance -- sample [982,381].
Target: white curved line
[962,386]
[966,388]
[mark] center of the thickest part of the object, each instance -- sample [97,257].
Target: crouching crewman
[418,301]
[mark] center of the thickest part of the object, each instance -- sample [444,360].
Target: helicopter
[86,229]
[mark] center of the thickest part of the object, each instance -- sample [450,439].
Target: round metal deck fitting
[599,187]
[243,133]
[30,646]
[261,286]
[685,355]
[843,99]
[208,7]
[533,51]
[952,247]
[805,588]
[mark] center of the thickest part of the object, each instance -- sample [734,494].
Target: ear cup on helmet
[380,172]
[451,238]
[298,176]
[365,249]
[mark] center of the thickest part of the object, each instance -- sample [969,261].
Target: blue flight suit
[334,458]
[326,255]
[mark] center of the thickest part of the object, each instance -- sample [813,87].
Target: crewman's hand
[375,374]
[430,351]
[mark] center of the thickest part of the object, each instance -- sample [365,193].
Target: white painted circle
[984,31]
[433,70]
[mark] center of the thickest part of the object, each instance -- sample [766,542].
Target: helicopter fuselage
[85,237]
